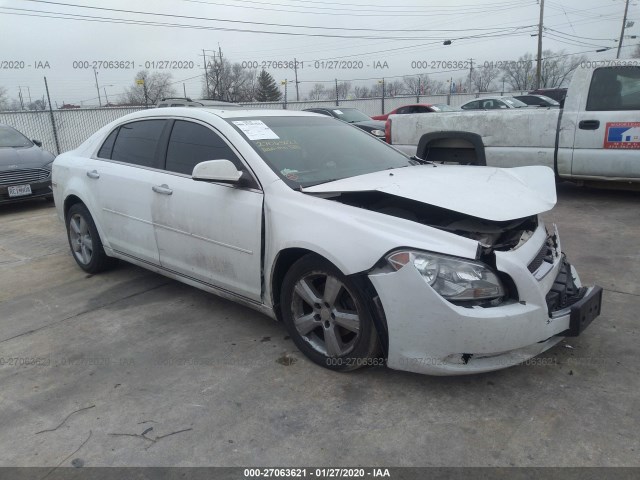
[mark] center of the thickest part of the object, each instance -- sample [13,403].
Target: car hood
[370,124]
[489,193]
[23,157]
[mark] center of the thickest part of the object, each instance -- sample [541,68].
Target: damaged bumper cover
[428,334]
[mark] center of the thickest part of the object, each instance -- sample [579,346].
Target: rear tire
[327,317]
[84,241]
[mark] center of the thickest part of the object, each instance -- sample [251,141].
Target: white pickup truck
[594,139]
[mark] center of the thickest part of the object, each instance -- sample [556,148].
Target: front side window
[615,88]
[137,142]
[191,143]
[470,106]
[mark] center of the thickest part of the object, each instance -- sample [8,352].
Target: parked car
[187,102]
[417,108]
[537,100]
[353,116]
[25,168]
[558,94]
[363,253]
[493,103]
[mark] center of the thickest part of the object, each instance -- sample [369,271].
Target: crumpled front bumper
[427,334]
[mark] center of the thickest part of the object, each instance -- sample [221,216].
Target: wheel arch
[288,256]
[69,202]
[464,141]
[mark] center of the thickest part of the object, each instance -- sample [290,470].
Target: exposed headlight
[377,133]
[455,279]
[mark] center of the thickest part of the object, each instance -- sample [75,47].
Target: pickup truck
[594,139]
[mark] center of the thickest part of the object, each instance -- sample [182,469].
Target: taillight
[387,131]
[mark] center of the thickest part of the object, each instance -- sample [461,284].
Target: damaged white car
[366,256]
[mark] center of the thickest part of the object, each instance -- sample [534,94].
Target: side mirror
[216,171]
[37,142]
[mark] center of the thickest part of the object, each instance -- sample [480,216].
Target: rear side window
[137,142]
[107,146]
[615,88]
[191,143]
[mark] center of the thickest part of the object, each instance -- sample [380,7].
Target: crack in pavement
[75,315]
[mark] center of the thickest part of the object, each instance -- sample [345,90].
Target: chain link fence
[63,130]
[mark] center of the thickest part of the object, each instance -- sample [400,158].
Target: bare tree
[361,92]
[395,88]
[416,84]
[376,89]
[4,100]
[521,74]
[149,88]
[343,89]
[483,78]
[318,92]
[39,104]
[557,68]
[229,82]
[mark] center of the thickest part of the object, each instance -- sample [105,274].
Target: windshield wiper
[420,160]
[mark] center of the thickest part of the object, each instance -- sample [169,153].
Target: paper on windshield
[256,130]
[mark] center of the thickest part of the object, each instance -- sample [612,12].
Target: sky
[366,39]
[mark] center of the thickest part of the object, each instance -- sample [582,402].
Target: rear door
[209,232]
[607,134]
[124,183]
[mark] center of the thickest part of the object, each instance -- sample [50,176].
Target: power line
[334,11]
[102,19]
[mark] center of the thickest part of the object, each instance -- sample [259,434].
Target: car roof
[417,105]
[218,112]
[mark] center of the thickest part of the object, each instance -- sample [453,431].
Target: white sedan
[365,255]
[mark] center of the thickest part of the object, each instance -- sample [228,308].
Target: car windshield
[12,138]
[307,151]
[514,102]
[550,100]
[350,115]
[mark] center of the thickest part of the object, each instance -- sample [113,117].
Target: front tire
[327,317]
[84,240]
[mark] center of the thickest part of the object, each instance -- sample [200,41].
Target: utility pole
[418,91]
[382,82]
[106,99]
[470,74]
[206,74]
[539,61]
[284,82]
[53,120]
[95,73]
[184,89]
[624,25]
[295,69]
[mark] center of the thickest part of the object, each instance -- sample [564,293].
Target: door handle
[589,125]
[93,174]
[162,189]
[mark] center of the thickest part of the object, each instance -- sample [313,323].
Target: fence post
[449,99]
[337,96]
[53,120]
[383,96]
